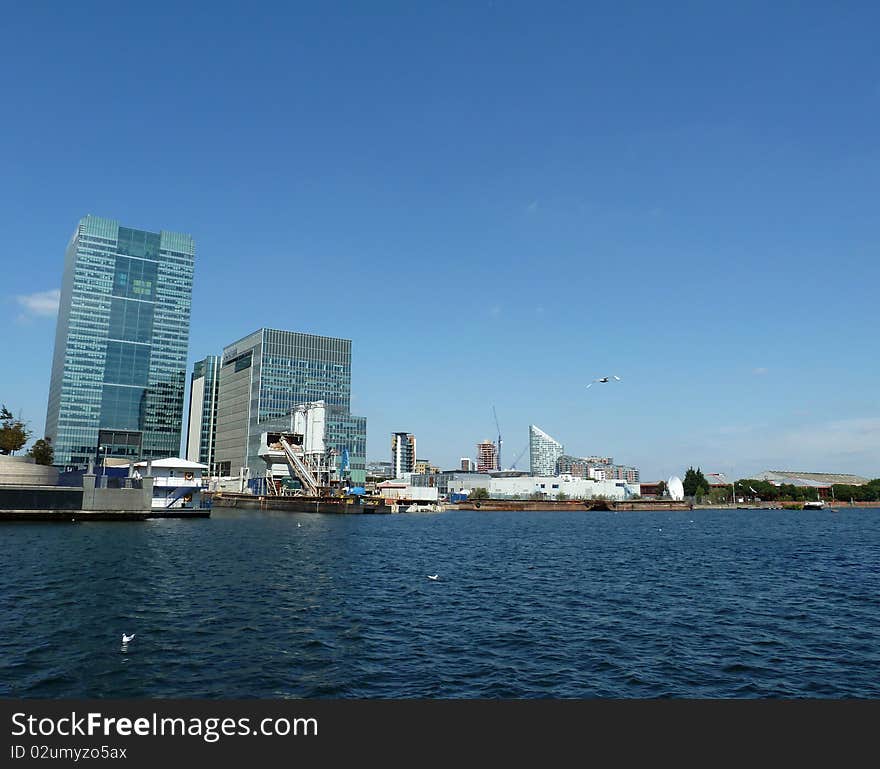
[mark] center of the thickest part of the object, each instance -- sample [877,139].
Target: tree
[479,494]
[662,489]
[42,451]
[562,496]
[13,432]
[695,483]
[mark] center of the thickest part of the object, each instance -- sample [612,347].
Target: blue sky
[497,202]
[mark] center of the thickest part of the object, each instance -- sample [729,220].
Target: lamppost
[102,456]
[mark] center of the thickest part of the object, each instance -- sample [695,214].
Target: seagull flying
[603,380]
[433,576]
[127,638]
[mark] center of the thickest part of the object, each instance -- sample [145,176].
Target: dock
[75,516]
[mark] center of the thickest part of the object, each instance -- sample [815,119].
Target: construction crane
[498,458]
[519,457]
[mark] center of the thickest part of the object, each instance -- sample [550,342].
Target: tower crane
[519,457]
[498,458]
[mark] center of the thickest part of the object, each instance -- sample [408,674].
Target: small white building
[177,482]
[401,490]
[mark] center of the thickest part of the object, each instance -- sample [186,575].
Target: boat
[423,508]
[814,505]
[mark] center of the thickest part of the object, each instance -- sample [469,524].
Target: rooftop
[810,479]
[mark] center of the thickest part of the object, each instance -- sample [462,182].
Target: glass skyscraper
[202,424]
[119,368]
[264,375]
[543,452]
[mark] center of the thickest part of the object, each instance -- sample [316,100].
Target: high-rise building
[119,368]
[487,457]
[263,376]
[403,453]
[467,465]
[202,422]
[543,452]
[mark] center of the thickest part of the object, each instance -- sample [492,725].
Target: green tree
[479,494]
[42,451]
[562,496]
[662,489]
[537,495]
[694,482]
[13,432]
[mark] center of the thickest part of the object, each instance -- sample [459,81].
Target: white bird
[433,576]
[603,380]
[127,638]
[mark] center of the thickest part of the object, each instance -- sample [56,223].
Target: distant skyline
[497,204]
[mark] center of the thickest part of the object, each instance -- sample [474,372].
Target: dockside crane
[498,458]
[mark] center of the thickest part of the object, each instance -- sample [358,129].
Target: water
[549,604]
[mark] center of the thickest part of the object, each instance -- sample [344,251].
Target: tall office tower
[403,453]
[202,423]
[466,464]
[263,376]
[487,457]
[119,368]
[543,452]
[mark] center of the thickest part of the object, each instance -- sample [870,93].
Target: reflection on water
[527,604]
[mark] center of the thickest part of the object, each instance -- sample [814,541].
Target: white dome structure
[676,488]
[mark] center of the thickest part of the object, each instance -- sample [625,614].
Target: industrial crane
[519,457]
[498,458]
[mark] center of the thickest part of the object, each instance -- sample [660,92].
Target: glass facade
[119,368]
[265,374]
[543,452]
[202,423]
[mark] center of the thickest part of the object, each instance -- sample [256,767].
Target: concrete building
[467,465]
[403,453]
[424,467]
[202,422]
[119,366]
[598,468]
[543,452]
[394,490]
[552,486]
[264,376]
[487,457]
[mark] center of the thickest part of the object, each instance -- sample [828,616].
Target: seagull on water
[127,638]
[433,576]
[603,379]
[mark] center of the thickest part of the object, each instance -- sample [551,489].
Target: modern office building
[263,376]
[543,452]
[466,464]
[403,453]
[202,422]
[119,367]
[487,457]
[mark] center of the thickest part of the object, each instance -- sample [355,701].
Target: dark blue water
[657,604]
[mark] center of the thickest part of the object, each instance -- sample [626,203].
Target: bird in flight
[433,576]
[127,638]
[603,379]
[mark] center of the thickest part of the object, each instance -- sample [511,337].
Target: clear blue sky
[497,202]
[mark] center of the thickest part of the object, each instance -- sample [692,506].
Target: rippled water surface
[528,604]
